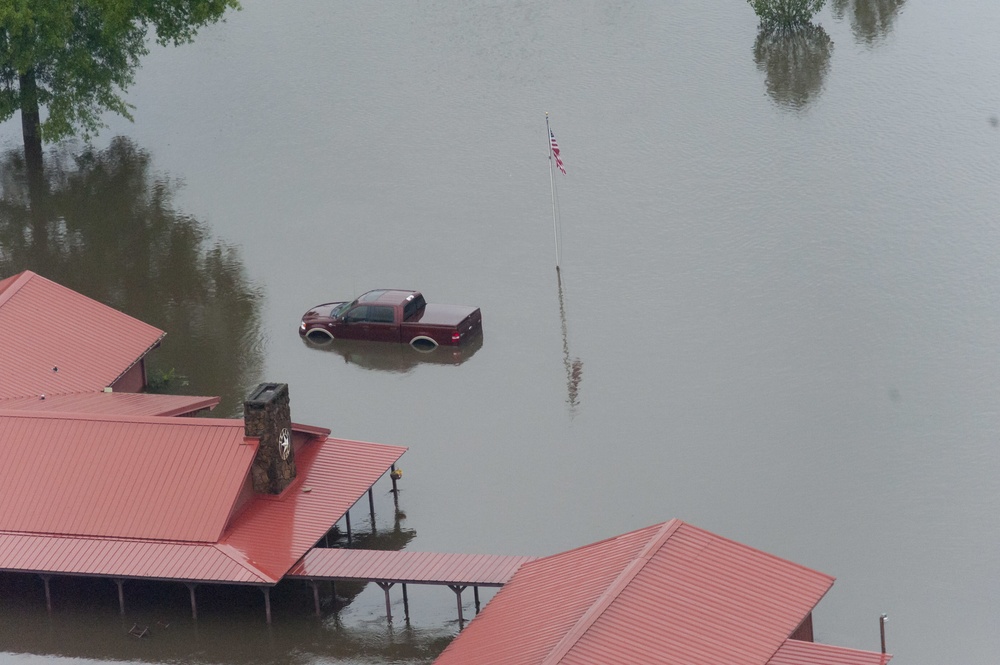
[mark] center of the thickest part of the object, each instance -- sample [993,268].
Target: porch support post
[347,515]
[48,593]
[388,606]
[458,599]
[194,603]
[267,604]
[371,507]
[406,603]
[475,593]
[121,595]
[315,586]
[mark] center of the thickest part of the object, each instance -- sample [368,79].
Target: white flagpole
[552,187]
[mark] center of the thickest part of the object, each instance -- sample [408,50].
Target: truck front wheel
[319,336]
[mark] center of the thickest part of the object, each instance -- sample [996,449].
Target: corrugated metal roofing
[274,532]
[113,476]
[58,341]
[670,593]
[124,558]
[149,497]
[797,652]
[97,483]
[408,567]
[123,404]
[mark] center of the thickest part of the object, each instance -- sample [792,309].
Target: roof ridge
[627,574]
[15,285]
[118,418]
[109,539]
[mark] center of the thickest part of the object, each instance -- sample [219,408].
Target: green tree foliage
[787,14]
[76,58]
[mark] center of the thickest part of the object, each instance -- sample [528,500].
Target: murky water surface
[777,318]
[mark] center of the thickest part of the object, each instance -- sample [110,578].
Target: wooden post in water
[121,595]
[315,586]
[371,508]
[48,594]
[194,603]
[388,604]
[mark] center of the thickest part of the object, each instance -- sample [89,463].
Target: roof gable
[670,593]
[171,479]
[704,599]
[58,341]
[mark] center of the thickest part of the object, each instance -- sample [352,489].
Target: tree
[785,14]
[76,58]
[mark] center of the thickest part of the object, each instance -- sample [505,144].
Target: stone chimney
[266,416]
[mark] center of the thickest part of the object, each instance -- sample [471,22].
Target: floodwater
[777,318]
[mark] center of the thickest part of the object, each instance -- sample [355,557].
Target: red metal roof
[669,593]
[274,532]
[408,567]
[58,341]
[796,652]
[106,557]
[97,483]
[113,476]
[124,404]
[151,497]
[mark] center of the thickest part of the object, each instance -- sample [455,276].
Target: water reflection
[102,223]
[396,358]
[871,20]
[794,61]
[573,366]
[396,539]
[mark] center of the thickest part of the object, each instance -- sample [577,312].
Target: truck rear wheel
[423,343]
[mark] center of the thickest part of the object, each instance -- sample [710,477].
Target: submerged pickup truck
[392,315]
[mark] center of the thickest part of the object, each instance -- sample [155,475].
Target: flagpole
[552,188]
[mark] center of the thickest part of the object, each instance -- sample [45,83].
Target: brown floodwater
[777,317]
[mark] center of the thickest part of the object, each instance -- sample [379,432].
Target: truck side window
[358,314]
[380,314]
[413,306]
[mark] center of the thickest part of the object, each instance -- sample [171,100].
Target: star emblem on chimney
[284,442]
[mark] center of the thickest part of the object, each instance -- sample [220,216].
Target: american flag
[555,152]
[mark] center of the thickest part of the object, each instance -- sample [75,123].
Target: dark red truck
[392,315]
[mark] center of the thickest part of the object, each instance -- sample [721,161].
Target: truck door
[372,322]
[381,323]
[355,323]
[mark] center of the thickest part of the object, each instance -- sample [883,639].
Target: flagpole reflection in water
[573,366]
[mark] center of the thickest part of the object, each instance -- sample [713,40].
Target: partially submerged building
[670,593]
[102,480]
[62,351]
